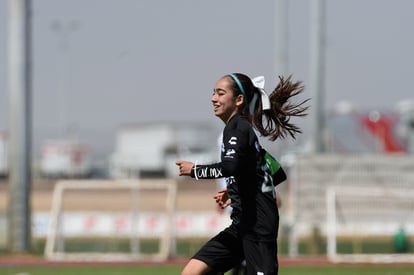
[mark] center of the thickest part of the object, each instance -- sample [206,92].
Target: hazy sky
[98,64]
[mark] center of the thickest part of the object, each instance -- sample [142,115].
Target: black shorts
[226,250]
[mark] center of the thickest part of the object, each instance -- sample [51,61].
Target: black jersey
[249,182]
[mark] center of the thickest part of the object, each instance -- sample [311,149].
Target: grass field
[167,270]
[186,249]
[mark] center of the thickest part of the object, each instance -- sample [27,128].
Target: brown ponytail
[277,119]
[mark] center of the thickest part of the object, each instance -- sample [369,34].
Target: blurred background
[121,89]
[99,65]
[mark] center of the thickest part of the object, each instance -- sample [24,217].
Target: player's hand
[184,167]
[222,198]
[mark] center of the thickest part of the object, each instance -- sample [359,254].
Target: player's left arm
[222,199]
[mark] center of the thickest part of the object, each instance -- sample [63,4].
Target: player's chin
[217,112]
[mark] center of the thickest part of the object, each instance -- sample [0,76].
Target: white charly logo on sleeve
[233,141]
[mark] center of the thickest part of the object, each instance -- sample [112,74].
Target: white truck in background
[150,149]
[4,169]
[64,159]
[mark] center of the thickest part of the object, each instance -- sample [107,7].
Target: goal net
[105,220]
[362,224]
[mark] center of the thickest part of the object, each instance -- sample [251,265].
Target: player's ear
[239,100]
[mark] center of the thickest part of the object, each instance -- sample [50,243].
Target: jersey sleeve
[211,171]
[232,157]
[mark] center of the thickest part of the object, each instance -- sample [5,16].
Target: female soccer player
[251,174]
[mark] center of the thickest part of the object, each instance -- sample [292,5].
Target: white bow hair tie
[259,83]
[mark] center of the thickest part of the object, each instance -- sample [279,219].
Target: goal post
[356,215]
[99,211]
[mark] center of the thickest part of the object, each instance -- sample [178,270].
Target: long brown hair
[274,123]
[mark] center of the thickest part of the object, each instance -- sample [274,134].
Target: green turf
[166,270]
[342,270]
[89,270]
[187,247]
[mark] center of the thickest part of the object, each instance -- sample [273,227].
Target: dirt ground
[191,196]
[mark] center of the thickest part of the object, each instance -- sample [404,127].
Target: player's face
[225,103]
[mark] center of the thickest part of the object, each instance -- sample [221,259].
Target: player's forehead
[223,84]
